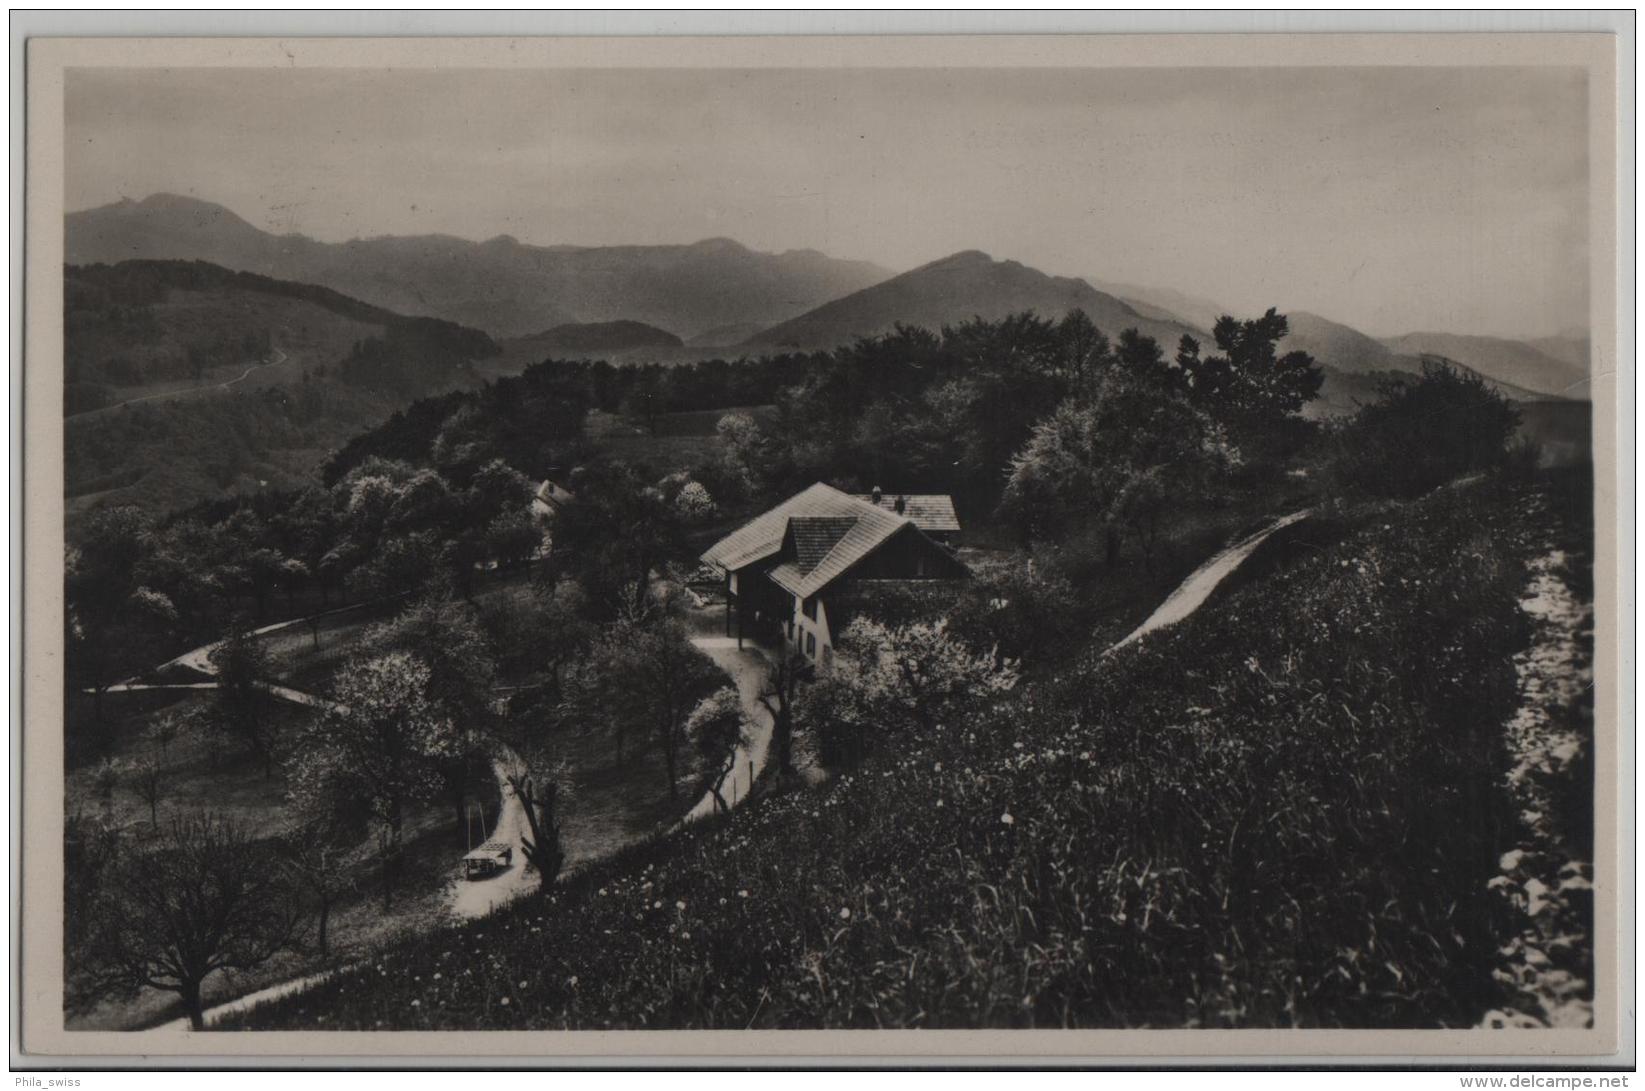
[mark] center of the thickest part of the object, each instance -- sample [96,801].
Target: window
[809,607]
[811,644]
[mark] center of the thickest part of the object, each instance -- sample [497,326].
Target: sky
[1392,199]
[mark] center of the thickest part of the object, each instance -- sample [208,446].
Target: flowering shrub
[1283,811]
[892,679]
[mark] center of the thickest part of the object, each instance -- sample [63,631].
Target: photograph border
[37,927]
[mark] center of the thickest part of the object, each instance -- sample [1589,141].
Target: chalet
[783,569]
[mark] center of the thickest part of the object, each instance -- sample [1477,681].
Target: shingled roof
[838,528]
[933,512]
[815,536]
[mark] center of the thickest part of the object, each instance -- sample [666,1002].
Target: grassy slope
[1233,823]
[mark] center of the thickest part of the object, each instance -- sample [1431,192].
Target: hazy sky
[1391,199]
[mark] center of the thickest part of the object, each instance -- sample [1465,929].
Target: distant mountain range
[1165,303]
[503,286]
[953,289]
[667,302]
[1524,370]
[1513,362]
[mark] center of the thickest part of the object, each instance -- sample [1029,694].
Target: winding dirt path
[1191,594]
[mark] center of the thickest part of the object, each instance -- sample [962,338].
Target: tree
[745,452]
[542,845]
[618,530]
[208,899]
[265,570]
[1422,433]
[113,623]
[318,857]
[109,641]
[149,779]
[779,696]
[548,630]
[647,674]
[888,680]
[497,489]
[717,727]
[1117,455]
[380,742]
[241,663]
[446,637]
[1250,385]
[512,538]
[164,732]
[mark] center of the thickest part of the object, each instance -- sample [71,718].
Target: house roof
[849,528]
[816,535]
[928,511]
[550,496]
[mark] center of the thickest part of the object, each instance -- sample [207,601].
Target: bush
[1425,432]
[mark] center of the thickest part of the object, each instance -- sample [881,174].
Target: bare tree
[149,778]
[208,899]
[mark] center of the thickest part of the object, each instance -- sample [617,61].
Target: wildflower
[742,893]
[522,984]
[572,981]
[680,906]
[845,913]
[1007,819]
[505,1001]
[437,977]
[685,935]
[416,1003]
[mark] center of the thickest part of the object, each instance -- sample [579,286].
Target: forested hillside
[185,380]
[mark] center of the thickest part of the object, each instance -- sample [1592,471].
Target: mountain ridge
[501,285]
[955,288]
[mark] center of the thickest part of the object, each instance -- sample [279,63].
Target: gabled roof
[815,536]
[763,537]
[929,511]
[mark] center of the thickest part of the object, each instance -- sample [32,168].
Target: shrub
[1424,432]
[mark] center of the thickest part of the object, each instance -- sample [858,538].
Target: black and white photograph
[799,541]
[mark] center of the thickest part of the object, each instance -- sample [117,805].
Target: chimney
[876,494]
[900,505]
